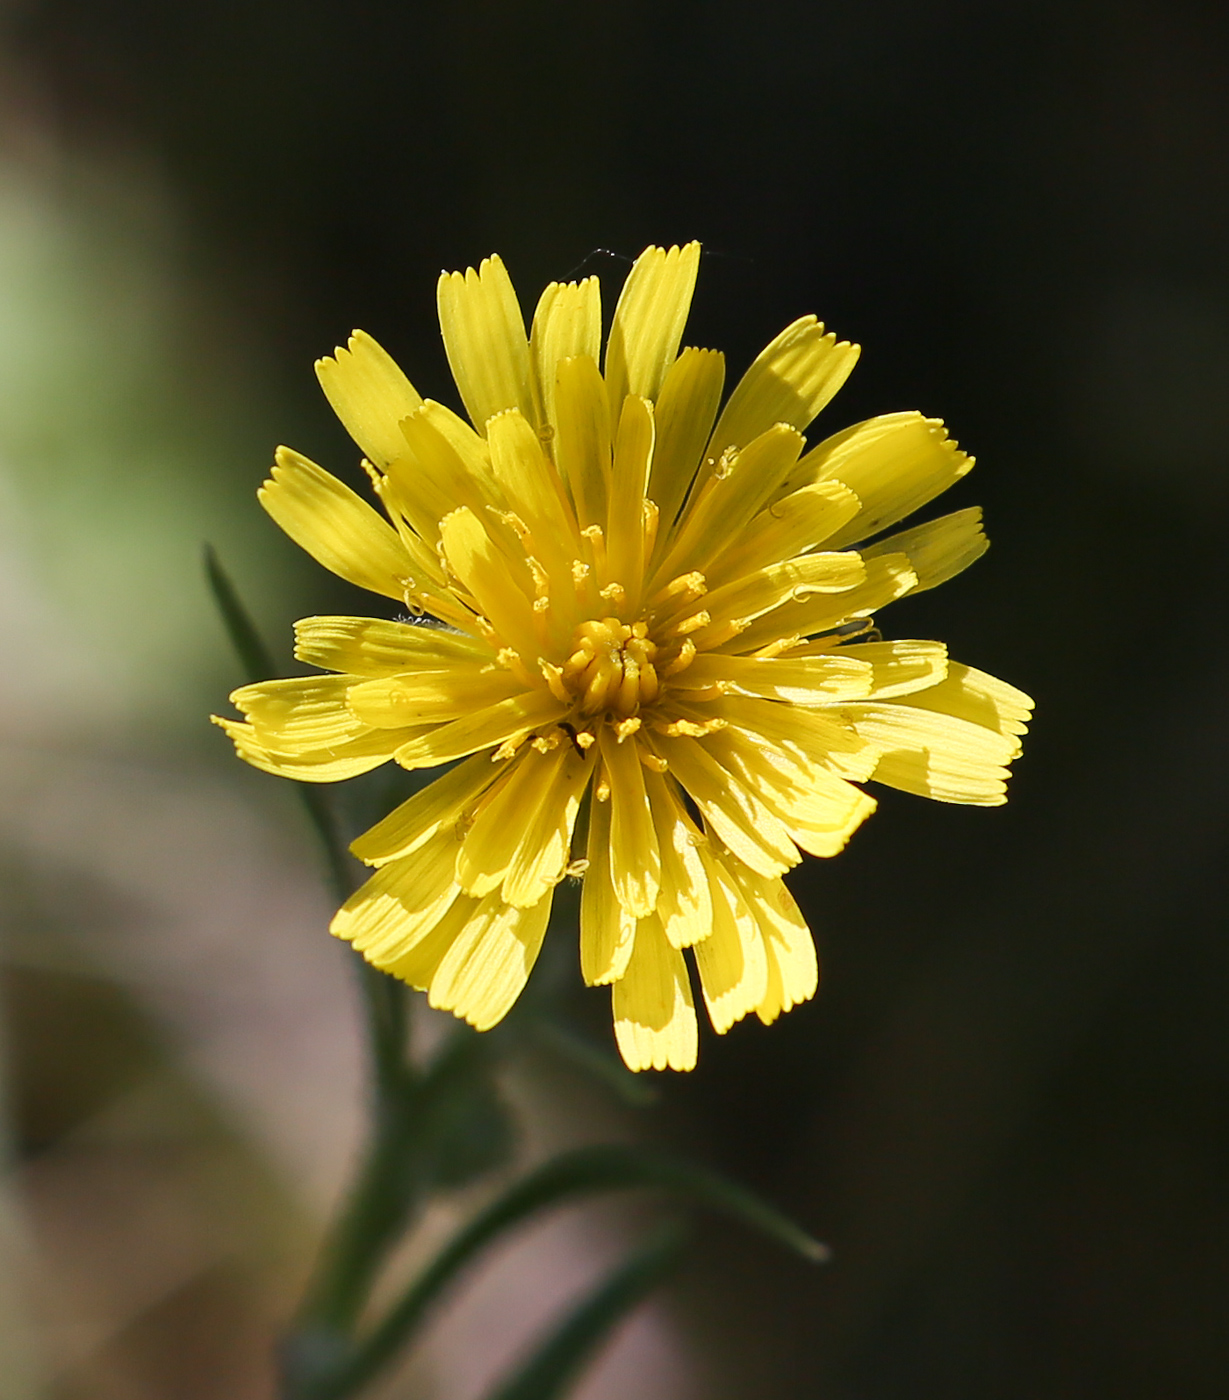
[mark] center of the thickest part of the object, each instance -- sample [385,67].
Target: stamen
[582,585]
[541,579]
[651,518]
[777,647]
[686,655]
[510,660]
[691,624]
[489,634]
[676,728]
[628,695]
[597,546]
[681,589]
[554,680]
[511,519]
[727,631]
[626,728]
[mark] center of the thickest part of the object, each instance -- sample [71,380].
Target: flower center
[610,667]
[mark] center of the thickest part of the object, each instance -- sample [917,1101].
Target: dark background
[1007,1108]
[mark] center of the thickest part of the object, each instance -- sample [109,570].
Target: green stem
[580,1172]
[380,1198]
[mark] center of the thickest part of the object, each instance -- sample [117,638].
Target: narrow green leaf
[368,1225]
[258,665]
[583,1172]
[253,655]
[549,1372]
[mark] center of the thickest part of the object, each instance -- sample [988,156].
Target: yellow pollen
[609,668]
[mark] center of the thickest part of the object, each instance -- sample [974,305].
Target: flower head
[642,635]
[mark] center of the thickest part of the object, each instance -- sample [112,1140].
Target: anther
[692,624]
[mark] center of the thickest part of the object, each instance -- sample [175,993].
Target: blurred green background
[1007,1110]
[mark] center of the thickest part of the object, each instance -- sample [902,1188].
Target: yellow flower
[641,627]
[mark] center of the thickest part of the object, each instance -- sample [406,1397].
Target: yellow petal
[542,853]
[654,1015]
[302,728]
[793,967]
[443,805]
[442,464]
[938,550]
[894,464]
[648,322]
[582,437]
[418,962]
[819,810]
[307,710]
[369,394]
[732,493]
[935,754]
[684,905]
[791,581]
[345,758]
[888,577]
[489,962]
[484,337]
[335,527]
[533,490]
[902,667]
[732,809]
[483,729]
[522,833]
[808,680]
[813,736]
[790,380]
[431,697]
[686,408]
[732,963]
[606,928]
[502,595]
[568,322]
[794,525]
[633,457]
[369,646]
[977,697]
[399,905]
[635,861]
